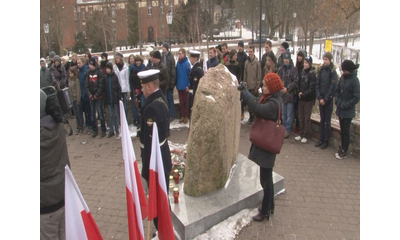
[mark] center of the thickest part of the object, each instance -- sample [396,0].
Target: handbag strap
[279,121]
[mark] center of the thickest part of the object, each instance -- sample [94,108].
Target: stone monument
[214,134]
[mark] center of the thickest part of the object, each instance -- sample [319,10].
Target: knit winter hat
[348,65]
[52,54]
[104,54]
[241,44]
[329,56]
[302,53]
[285,45]
[43,60]
[92,61]
[157,55]
[109,65]
[57,58]
[166,45]
[273,82]
[309,60]
[287,55]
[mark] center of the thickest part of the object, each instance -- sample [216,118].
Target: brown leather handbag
[267,134]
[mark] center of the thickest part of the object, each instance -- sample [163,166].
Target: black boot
[324,145]
[318,144]
[260,217]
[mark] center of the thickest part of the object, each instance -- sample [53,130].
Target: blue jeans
[134,108]
[125,101]
[170,99]
[113,111]
[287,116]
[97,105]
[78,114]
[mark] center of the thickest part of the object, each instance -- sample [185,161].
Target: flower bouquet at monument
[178,158]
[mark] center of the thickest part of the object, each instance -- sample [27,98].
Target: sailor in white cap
[195,75]
[155,109]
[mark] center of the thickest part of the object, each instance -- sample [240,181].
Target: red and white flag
[158,197]
[79,222]
[135,196]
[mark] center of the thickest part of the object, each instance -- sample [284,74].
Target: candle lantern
[176,175]
[176,195]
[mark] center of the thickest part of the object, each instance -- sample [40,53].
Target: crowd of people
[303,84]
[293,84]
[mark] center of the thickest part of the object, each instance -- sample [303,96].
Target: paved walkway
[322,198]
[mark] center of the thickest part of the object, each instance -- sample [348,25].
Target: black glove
[242,86]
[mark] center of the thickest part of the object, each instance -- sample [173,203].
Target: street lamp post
[294,30]
[46,31]
[169,22]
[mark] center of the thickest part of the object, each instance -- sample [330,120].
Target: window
[83,13]
[148,8]
[162,7]
[113,11]
[90,11]
[75,14]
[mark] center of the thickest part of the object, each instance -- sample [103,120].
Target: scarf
[120,65]
[264,98]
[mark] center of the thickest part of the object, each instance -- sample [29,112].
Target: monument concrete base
[193,216]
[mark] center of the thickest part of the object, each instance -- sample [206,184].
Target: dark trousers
[296,112]
[305,109]
[88,113]
[268,186]
[325,112]
[345,132]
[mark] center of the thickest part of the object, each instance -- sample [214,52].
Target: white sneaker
[298,138]
[304,140]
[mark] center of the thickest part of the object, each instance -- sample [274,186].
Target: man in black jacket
[196,73]
[241,58]
[53,159]
[155,109]
[325,89]
[94,89]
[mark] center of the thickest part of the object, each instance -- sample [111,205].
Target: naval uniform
[155,110]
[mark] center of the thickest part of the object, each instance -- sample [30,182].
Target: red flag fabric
[158,198]
[79,222]
[135,196]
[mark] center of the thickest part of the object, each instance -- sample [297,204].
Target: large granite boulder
[214,132]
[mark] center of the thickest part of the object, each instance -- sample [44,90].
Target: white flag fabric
[135,196]
[158,197]
[79,222]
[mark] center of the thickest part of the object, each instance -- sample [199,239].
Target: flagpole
[148,230]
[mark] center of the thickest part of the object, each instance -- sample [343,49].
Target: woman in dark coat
[265,107]
[347,96]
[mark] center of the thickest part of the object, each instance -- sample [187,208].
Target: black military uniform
[195,75]
[155,109]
